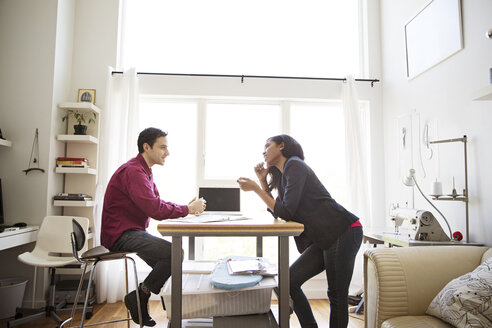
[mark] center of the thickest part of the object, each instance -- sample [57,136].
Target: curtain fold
[118,143]
[356,153]
[357,173]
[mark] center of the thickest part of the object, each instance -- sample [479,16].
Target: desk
[9,239]
[255,227]
[377,236]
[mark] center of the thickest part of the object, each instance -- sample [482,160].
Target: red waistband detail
[356,224]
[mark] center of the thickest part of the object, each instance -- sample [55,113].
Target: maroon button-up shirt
[130,201]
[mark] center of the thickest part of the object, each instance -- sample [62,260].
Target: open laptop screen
[221,199]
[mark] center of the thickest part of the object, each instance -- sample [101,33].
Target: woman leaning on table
[332,235]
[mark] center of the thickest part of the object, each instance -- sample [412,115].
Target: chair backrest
[54,234]
[78,238]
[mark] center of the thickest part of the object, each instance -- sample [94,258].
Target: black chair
[92,257]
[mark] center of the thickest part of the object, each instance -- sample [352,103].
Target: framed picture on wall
[87,95]
[433,35]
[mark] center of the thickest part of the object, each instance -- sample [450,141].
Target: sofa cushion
[467,300]
[420,321]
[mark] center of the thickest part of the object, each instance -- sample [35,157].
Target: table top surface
[252,227]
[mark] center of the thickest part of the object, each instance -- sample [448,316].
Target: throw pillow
[467,300]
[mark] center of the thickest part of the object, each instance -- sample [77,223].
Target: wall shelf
[74,203]
[457,197]
[76,170]
[483,94]
[75,138]
[6,143]
[80,106]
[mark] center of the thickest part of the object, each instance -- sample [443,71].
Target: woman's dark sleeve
[295,176]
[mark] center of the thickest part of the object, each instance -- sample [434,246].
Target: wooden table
[241,228]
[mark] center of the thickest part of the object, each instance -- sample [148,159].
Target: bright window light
[320,130]
[316,38]
[235,135]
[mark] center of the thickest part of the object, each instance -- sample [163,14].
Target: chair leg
[126,290]
[76,300]
[91,275]
[48,311]
[137,292]
[34,286]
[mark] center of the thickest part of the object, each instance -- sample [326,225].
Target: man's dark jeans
[338,262]
[155,251]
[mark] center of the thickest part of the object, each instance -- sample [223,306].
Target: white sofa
[401,282]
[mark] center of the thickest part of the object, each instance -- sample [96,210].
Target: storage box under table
[200,299]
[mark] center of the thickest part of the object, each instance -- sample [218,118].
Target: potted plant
[80,117]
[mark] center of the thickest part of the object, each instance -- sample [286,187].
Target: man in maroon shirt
[130,201]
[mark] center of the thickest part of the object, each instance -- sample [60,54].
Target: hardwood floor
[114,311]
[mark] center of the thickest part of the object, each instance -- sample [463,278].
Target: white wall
[27,60]
[443,96]
[49,49]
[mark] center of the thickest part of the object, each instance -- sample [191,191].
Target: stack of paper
[255,266]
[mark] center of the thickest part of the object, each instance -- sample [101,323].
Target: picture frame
[87,95]
[433,35]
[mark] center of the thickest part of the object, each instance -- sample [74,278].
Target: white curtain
[118,143]
[357,174]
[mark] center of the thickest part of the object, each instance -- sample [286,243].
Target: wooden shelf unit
[80,179]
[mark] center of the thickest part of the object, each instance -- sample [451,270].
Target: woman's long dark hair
[291,148]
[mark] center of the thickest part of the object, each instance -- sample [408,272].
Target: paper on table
[208,218]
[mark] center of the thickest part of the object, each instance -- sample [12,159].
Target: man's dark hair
[149,136]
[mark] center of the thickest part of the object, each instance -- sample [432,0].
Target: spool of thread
[436,188]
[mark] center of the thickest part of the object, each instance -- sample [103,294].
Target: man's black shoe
[132,306]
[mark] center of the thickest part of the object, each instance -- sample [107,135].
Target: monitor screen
[1,204]
[221,199]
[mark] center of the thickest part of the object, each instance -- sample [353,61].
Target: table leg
[283,281]
[176,287]
[259,246]
[191,248]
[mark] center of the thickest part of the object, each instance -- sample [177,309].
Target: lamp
[410,181]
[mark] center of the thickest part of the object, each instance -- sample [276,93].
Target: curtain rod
[256,76]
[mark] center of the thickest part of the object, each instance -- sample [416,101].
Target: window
[224,139]
[319,128]
[234,137]
[251,37]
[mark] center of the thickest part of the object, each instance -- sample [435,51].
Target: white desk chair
[53,249]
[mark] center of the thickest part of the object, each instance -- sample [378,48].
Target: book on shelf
[72,165]
[71,162]
[70,196]
[71,159]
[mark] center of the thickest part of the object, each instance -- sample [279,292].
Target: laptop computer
[223,204]
[221,201]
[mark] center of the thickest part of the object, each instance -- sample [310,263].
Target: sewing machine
[418,224]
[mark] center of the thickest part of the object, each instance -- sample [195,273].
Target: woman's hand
[261,171]
[247,184]
[197,206]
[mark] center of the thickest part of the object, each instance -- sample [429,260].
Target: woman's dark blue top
[304,199]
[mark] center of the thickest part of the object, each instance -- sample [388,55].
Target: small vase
[80,129]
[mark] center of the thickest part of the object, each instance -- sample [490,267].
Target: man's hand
[247,184]
[197,206]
